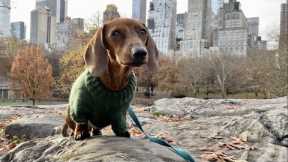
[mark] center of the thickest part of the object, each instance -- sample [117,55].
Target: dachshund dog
[103,92]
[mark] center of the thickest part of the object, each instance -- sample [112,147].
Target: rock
[4,116]
[259,125]
[276,122]
[240,161]
[34,126]
[58,149]
[218,121]
[244,136]
[214,107]
[269,153]
[175,106]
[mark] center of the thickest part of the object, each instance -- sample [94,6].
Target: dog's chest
[89,98]
[107,98]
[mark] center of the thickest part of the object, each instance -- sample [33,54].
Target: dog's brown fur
[109,56]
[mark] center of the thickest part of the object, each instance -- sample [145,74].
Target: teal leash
[179,151]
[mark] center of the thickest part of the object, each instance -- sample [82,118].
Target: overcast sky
[267,10]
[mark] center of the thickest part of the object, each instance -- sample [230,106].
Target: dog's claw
[81,135]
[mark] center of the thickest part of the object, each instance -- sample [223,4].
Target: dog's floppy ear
[96,54]
[153,53]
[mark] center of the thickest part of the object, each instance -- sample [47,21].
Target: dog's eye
[142,32]
[115,34]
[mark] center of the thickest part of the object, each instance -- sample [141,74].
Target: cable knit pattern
[91,101]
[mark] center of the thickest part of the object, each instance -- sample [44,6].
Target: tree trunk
[256,94]
[33,100]
[222,86]
[197,91]
[223,92]
[267,93]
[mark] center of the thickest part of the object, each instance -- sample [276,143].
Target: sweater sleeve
[79,106]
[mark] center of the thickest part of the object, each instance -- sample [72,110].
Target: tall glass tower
[216,5]
[284,26]
[58,8]
[5,18]
[139,10]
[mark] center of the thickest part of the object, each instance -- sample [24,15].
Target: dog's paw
[81,135]
[96,132]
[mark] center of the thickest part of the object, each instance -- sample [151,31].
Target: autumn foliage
[31,74]
[261,74]
[71,66]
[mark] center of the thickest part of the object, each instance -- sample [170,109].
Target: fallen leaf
[11,146]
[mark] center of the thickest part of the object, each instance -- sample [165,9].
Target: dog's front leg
[119,125]
[81,132]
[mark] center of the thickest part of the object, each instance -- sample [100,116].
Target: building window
[5,94]
[151,24]
[151,6]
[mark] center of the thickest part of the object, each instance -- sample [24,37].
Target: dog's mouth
[135,63]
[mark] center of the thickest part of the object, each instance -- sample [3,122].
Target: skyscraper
[216,5]
[253,25]
[67,32]
[198,26]
[162,24]
[180,23]
[58,8]
[232,35]
[254,40]
[284,26]
[43,27]
[253,31]
[18,30]
[62,9]
[139,10]
[64,34]
[4,18]
[78,25]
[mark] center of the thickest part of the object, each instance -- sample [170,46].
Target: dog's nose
[139,53]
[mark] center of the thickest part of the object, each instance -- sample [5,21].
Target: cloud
[267,10]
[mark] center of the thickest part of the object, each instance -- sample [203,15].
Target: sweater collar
[98,89]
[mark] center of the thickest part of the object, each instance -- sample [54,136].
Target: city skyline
[5,18]
[269,21]
[283,25]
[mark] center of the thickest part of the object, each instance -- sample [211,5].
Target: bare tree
[220,68]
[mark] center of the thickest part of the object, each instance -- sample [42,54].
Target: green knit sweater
[91,101]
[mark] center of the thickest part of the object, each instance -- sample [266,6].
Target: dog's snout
[139,53]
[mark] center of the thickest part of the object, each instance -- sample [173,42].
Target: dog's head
[124,41]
